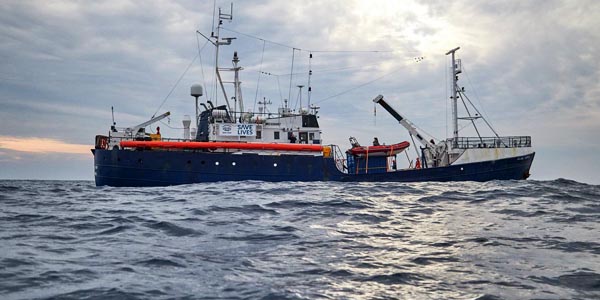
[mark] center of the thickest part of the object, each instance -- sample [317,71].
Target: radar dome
[196,90]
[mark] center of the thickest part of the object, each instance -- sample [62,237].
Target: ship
[229,143]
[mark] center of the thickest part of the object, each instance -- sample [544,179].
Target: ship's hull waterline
[120,167]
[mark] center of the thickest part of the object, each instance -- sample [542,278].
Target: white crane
[135,129]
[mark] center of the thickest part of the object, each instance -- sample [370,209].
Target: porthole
[233,163]
[275,165]
[216,163]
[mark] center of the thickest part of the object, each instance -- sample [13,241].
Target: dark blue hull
[161,168]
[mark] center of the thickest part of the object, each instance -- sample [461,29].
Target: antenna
[228,16]
[212,34]
[309,75]
[264,103]
[112,111]
[225,41]
[300,96]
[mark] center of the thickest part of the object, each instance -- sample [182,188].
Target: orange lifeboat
[383,150]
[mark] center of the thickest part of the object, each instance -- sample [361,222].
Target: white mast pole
[454,97]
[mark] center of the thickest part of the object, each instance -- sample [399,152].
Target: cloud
[42,145]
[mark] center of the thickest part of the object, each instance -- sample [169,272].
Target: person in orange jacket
[418,164]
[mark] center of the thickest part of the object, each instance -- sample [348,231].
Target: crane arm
[404,122]
[155,119]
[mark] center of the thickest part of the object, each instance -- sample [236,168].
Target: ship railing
[127,138]
[491,142]
[340,160]
[112,140]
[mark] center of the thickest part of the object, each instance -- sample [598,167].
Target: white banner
[237,129]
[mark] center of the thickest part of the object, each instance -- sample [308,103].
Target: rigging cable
[201,64]
[174,86]
[469,113]
[180,77]
[291,76]
[356,87]
[366,83]
[484,119]
[476,96]
[259,73]
[307,50]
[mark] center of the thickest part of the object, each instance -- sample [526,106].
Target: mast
[309,75]
[455,71]
[300,97]
[236,82]
[217,43]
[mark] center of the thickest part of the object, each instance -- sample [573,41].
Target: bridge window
[310,121]
[276,135]
[259,134]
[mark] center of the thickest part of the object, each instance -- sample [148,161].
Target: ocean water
[257,240]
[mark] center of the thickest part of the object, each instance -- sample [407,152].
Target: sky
[531,67]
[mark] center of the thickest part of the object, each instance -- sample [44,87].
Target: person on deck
[418,164]
[375,142]
[158,130]
[292,138]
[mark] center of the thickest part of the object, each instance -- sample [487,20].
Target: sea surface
[256,240]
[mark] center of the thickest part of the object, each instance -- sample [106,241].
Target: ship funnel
[186,127]
[196,90]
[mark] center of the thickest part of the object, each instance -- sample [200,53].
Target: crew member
[158,130]
[418,164]
[292,138]
[375,142]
